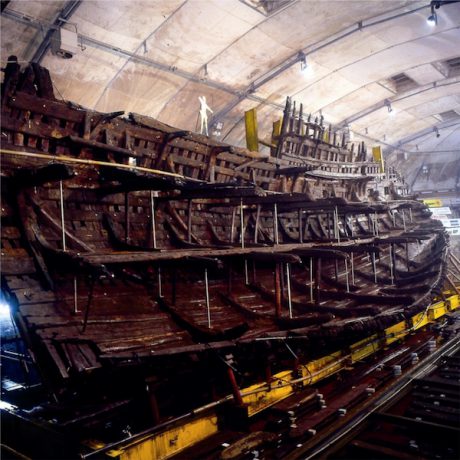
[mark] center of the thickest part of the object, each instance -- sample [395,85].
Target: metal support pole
[352,269]
[275,223]
[232,228]
[300,226]
[393,218]
[208,308]
[152,220]
[189,221]
[391,266]
[75,294]
[376,224]
[61,197]
[126,217]
[277,290]
[346,274]
[318,281]
[311,279]
[246,272]
[288,280]
[337,229]
[410,215]
[242,223]
[160,287]
[256,226]
[407,257]
[235,389]
[404,219]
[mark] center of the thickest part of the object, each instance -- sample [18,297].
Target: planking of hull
[153,270]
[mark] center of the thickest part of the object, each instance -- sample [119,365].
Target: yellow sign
[252,139]
[433,203]
[378,157]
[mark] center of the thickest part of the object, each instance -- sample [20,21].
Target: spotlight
[436,130]
[388,106]
[4,309]
[303,62]
[432,19]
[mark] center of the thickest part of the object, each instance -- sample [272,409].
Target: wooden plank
[54,109]
[12,265]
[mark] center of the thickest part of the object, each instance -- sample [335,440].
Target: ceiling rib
[396,98]
[298,56]
[418,135]
[141,45]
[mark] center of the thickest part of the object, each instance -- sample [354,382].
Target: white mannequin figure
[204,107]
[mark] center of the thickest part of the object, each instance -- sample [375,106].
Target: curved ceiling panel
[156,57]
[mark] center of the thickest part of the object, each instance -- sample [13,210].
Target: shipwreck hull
[137,255]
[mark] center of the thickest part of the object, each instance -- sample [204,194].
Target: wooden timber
[140,258]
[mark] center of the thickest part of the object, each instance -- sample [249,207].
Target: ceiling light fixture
[303,61]
[432,19]
[388,105]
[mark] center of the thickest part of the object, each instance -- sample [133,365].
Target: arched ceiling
[155,57]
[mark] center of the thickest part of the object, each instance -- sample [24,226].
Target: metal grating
[449,115]
[267,7]
[402,82]
[453,64]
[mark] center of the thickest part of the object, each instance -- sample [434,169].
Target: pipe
[242,223]
[352,268]
[61,199]
[75,294]
[152,209]
[160,290]
[208,308]
[288,280]
[275,222]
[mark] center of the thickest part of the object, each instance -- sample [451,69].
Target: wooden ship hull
[153,270]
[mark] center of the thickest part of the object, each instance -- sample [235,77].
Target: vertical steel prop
[160,287]
[208,307]
[232,228]
[300,226]
[277,290]
[352,268]
[246,272]
[189,221]
[75,294]
[275,223]
[242,223]
[126,217]
[288,282]
[318,281]
[256,226]
[391,265]
[152,220]
[346,274]
[61,198]
[311,279]
[337,229]
[374,267]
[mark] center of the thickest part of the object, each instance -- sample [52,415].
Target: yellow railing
[260,396]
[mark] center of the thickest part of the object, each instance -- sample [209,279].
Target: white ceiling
[155,57]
